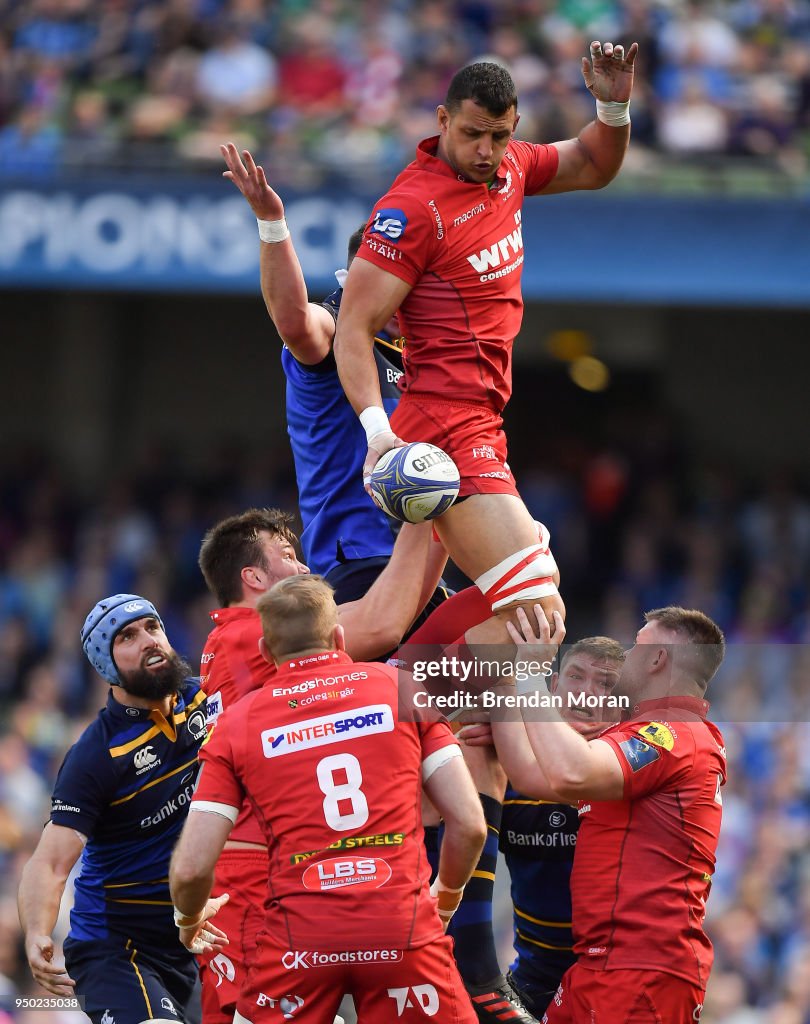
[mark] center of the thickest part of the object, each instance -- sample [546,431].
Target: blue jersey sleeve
[83,788]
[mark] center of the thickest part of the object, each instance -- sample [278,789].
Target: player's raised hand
[608,73]
[539,641]
[248,176]
[51,976]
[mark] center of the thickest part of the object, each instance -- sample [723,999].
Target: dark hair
[487,84]
[600,648]
[703,635]
[355,238]
[234,543]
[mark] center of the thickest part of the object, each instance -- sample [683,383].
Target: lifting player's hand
[537,642]
[52,977]
[609,72]
[248,176]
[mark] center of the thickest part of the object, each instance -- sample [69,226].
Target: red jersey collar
[428,161]
[315,661]
[223,615]
[647,708]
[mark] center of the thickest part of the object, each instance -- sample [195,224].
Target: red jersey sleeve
[218,782]
[400,237]
[539,164]
[438,746]
[652,755]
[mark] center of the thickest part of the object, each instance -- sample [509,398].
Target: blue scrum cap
[103,623]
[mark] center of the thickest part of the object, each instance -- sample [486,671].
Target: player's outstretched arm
[377,622]
[594,158]
[306,328]
[371,296]
[38,898]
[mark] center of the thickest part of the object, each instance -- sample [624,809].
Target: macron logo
[336,728]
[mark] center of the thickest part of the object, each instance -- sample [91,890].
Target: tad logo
[336,873]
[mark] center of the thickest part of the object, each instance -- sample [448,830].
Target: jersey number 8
[342,793]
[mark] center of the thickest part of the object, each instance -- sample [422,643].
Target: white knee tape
[524,576]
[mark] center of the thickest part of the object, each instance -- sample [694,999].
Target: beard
[166,681]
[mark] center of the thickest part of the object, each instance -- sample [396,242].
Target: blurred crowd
[635,524]
[324,90]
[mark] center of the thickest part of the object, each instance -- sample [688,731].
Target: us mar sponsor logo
[391,223]
[638,753]
[339,872]
[659,735]
[354,843]
[295,959]
[318,732]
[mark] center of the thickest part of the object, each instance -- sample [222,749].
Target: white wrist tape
[448,899]
[613,113]
[374,421]
[273,230]
[184,921]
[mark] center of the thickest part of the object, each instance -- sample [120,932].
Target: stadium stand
[322,90]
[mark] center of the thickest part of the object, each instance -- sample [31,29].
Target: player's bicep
[371,296]
[607,777]
[574,169]
[313,343]
[58,850]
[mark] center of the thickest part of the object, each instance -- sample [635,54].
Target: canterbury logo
[145,758]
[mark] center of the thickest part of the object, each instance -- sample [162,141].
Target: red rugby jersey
[459,244]
[644,864]
[336,782]
[231,667]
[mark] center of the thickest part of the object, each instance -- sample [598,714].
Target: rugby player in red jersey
[336,781]
[650,804]
[241,558]
[444,248]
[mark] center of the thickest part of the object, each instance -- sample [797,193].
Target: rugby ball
[415,483]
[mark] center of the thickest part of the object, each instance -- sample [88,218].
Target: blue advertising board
[587,247]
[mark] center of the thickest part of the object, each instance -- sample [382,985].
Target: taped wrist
[374,421]
[448,899]
[183,921]
[273,230]
[614,113]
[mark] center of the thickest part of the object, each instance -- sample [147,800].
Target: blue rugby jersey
[538,840]
[328,444]
[126,785]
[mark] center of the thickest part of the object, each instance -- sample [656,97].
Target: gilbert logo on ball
[415,483]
